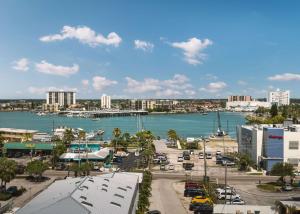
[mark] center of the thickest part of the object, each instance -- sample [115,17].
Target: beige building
[50,107]
[18,135]
[234,98]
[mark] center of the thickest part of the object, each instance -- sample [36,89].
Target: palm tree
[68,136]
[116,135]
[172,135]
[145,140]
[7,171]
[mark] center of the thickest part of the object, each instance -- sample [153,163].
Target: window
[294,145]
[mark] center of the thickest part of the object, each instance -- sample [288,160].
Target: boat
[100,132]
[41,114]
[96,119]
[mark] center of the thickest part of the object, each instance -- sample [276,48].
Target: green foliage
[261,110]
[7,171]
[274,110]
[36,168]
[172,135]
[145,141]
[68,136]
[144,193]
[244,161]
[5,196]
[282,169]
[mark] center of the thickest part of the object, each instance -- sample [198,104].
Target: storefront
[13,149]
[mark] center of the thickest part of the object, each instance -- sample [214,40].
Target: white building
[105,102]
[279,97]
[269,144]
[246,105]
[62,98]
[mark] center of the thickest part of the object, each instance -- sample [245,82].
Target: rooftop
[108,193]
[21,131]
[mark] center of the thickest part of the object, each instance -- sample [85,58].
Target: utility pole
[225,181]
[204,149]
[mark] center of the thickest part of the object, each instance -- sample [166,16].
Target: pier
[103,113]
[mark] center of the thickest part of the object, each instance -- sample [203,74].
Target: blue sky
[149,49]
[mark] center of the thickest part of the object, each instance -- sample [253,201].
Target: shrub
[4,196]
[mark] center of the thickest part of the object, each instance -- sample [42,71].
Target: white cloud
[285,77]
[214,87]
[43,90]
[21,64]
[176,86]
[211,77]
[143,45]
[85,83]
[100,83]
[241,82]
[85,35]
[148,85]
[193,49]
[48,68]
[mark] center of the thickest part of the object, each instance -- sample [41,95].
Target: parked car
[218,153]
[195,206]
[201,156]
[188,166]
[287,187]
[236,201]
[193,192]
[171,167]
[204,209]
[153,212]
[228,196]
[228,189]
[228,163]
[13,190]
[180,159]
[297,173]
[208,155]
[18,155]
[191,185]
[201,199]
[187,157]
[60,166]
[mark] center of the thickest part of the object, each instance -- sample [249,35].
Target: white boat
[41,114]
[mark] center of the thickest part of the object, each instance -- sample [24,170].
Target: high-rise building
[279,97]
[105,102]
[62,98]
[234,98]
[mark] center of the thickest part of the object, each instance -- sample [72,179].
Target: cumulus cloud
[285,77]
[214,87]
[43,90]
[48,68]
[85,83]
[84,35]
[178,85]
[147,85]
[100,83]
[21,64]
[193,49]
[143,45]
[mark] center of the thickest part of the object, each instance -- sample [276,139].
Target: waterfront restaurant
[27,148]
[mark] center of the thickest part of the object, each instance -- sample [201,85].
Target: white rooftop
[232,209]
[109,193]
[21,131]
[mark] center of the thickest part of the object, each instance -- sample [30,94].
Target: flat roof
[232,209]
[107,193]
[21,131]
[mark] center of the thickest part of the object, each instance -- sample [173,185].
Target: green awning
[29,146]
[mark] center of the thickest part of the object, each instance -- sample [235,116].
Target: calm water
[186,125]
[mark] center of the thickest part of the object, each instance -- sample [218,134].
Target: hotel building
[279,97]
[234,98]
[62,98]
[105,102]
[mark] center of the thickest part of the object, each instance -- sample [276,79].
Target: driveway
[164,198]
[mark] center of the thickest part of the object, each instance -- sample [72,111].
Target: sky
[149,49]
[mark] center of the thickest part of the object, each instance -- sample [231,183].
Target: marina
[186,125]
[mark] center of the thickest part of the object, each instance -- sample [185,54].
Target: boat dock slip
[103,113]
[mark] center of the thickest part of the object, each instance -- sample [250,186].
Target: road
[164,198]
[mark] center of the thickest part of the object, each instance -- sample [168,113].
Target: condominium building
[234,98]
[279,97]
[270,144]
[62,98]
[19,135]
[105,102]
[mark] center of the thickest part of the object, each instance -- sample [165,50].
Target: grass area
[4,196]
[272,187]
[255,173]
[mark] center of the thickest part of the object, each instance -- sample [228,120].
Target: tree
[274,110]
[284,111]
[282,170]
[75,168]
[116,137]
[7,171]
[1,144]
[145,141]
[172,135]
[36,168]
[58,150]
[85,168]
[68,137]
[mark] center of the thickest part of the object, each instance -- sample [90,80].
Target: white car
[228,196]
[180,159]
[236,202]
[228,189]
[171,167]
[297,173]
[218,153]
[208,155]
[201,156]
